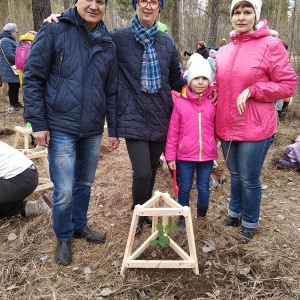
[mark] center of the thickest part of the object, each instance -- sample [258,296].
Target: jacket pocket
[122,101]
[60,104]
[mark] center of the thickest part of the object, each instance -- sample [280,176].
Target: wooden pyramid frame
[170,208]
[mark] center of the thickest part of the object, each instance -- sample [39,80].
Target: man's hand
[42,138]
[215,98]
[113,143]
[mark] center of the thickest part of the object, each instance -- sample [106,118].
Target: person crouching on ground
[291,158]
[18,179]
[191,138]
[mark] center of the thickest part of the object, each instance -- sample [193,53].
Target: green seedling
[163,240]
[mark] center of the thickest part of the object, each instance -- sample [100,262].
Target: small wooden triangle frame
[170,208]
[38,152]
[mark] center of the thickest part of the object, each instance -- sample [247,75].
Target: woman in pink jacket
[191,135]
[251,73]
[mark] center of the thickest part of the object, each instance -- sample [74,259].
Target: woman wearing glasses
[148,71]
[8,46]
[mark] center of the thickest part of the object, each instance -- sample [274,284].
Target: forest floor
[266,268]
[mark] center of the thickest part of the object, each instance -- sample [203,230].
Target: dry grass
[272,257]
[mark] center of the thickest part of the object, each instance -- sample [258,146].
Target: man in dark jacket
[70,86]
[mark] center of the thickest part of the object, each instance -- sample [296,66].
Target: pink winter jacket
[191,130]
[260,62]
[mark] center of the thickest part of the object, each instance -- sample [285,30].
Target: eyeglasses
[152,3]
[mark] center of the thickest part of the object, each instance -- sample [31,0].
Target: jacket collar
[262,30]
[187,94]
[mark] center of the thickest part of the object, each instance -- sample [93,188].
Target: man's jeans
[186,176]
[72,162]
[245,161]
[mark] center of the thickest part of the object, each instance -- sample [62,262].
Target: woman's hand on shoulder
[215,97]
[52,17]
[241,100]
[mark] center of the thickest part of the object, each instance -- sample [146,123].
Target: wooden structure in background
[37,152]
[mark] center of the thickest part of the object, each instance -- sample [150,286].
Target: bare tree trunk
[66,4]
[11,11]
[40,10]
[176,24]
[213,23]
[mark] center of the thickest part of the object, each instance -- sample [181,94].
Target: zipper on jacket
[59,68]
[200,135]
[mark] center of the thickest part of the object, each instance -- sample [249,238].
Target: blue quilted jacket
[144,116]
[9,46]
[69,86]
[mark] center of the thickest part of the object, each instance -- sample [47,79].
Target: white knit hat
[198,66]
[256,4]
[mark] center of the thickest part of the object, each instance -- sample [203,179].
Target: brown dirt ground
[270,262]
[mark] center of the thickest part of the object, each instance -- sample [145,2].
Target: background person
[8,45]
[212,61]
[23,49]
[193,112]
[201,49]
[18,179]
[70,87]
[251,73]
[223,42]
[291,157]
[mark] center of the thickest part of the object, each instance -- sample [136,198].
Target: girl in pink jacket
[251,73]
[191,135]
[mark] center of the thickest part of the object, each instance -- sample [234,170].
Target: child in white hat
[191,138]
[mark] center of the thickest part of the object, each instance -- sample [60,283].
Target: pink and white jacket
[260,62]
[191,134]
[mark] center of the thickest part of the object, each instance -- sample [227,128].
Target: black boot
[233,222]
[142,220]
[201,211]
[63,253]
[139,227]
[247,234]
[181,224]
[148,220]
